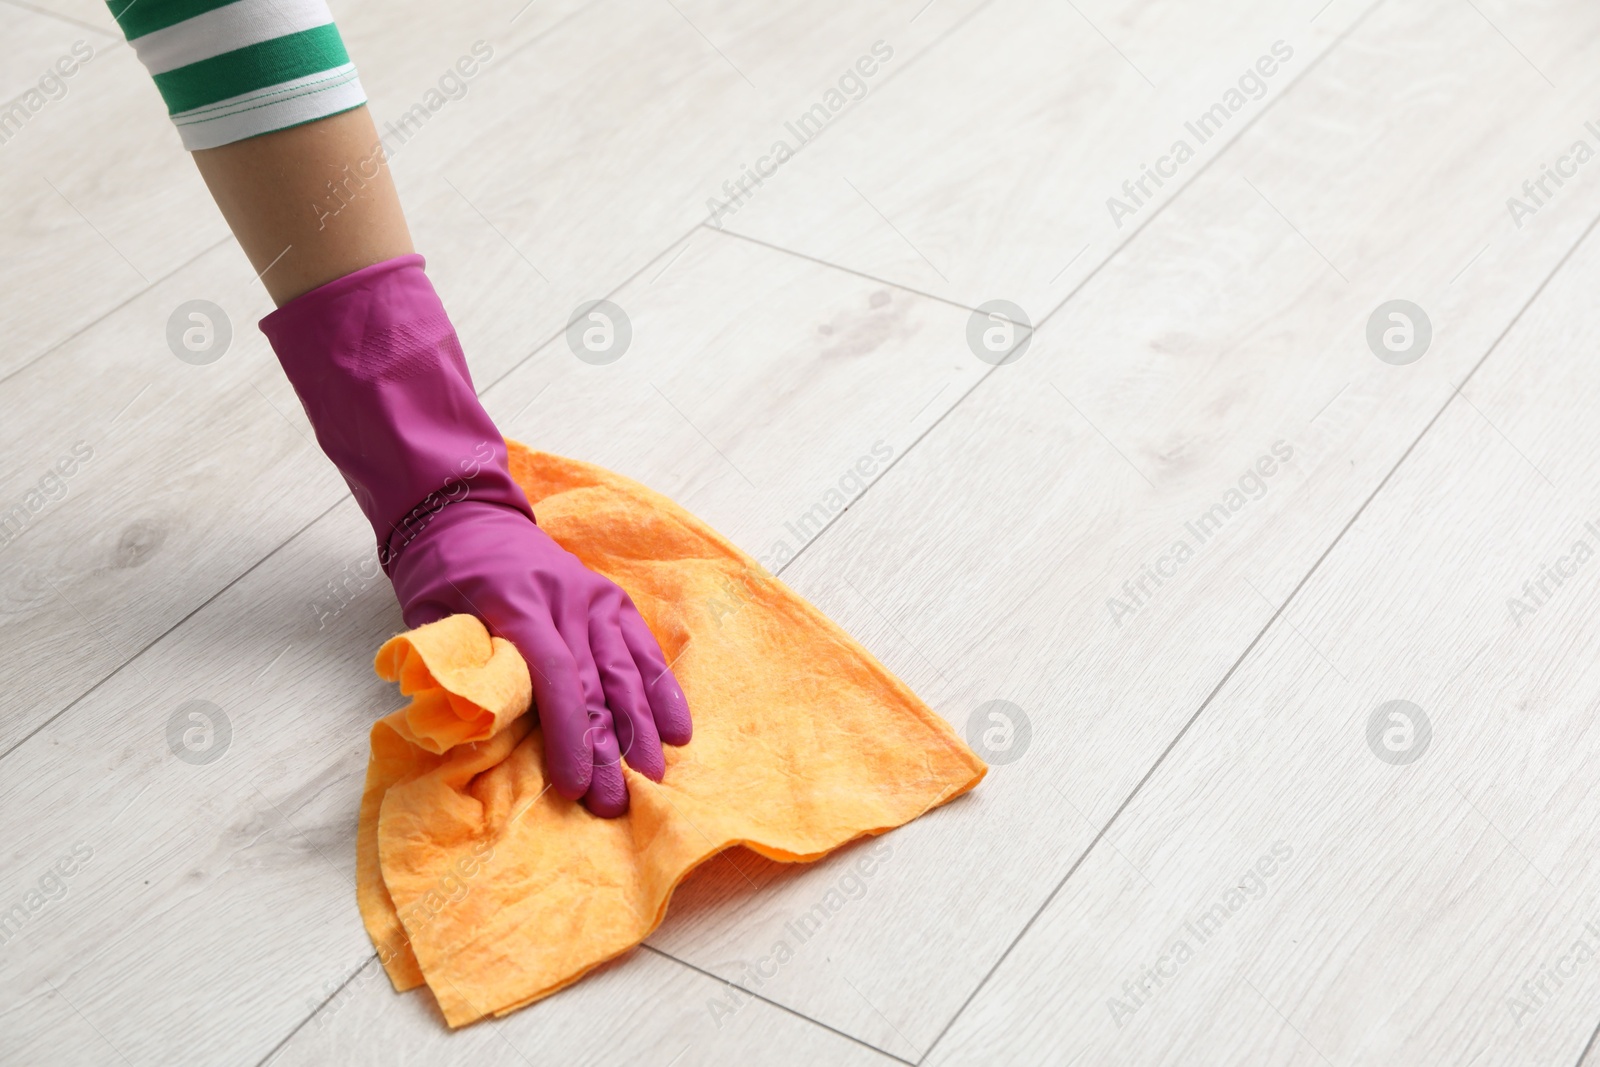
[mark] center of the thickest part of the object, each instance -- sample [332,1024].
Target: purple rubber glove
[383,380]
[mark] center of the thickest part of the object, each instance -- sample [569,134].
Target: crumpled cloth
[476,878]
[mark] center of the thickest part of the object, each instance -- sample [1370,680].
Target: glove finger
[558,699]
[574,630]
[667,702]
[608,793]
[631,715]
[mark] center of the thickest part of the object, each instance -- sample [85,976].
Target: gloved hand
[599,681]
[381,375]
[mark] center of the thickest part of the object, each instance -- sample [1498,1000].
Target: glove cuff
[381,375]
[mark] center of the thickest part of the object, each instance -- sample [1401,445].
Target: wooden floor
[1206,844]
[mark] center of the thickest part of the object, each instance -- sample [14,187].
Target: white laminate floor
[1292,604]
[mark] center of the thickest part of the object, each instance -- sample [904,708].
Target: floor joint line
[1584,1055]
[1161,759]
[1224,150]
[103,316]
[773,1003]
[163,634]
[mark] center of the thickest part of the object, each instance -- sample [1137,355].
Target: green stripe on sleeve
[257,66]
[139,17]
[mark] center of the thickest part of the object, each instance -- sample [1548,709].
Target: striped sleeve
[231,69]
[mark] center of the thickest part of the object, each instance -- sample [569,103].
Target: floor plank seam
[677,247]
[607,295]
[163,634]
[548,30]
[301,1025]
[1112,255]
[780,1006]
[541,346]
[519,364]
[1223,151]
[894,462]
[103,316]
[1493,346]
[371,958]
[279,547]
[287,541]
[22,4]
[935,43]
[1584,1055]
[903,287]
[1132,234]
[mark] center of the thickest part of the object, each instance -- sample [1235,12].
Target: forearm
[265,96]
[309,204]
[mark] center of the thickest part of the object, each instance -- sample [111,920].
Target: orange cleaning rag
[476,878]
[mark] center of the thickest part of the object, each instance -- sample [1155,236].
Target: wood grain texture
[550,155]
[32,43]
[593,149]
[1424,904]
[264,838]
[68,570]
[98,201]
[982,567]
[96,197]
[643,1009]
[1054,108]
[120,361]
[199,472]
[194,474]
[252,853]
[214,920]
